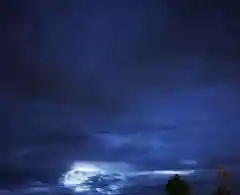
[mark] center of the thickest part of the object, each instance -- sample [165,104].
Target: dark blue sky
[161,77]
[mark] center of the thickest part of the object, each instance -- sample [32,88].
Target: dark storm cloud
[112,67]
[108,48]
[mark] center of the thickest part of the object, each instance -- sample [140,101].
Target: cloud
[85,70]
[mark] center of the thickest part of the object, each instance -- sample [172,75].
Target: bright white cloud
[79,173]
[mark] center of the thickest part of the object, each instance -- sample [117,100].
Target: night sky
[154,81]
